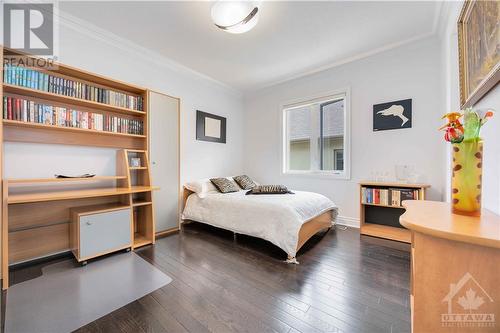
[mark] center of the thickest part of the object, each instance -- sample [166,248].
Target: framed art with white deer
[479,50]
[392,115]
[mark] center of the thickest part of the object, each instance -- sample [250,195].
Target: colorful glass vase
[466,178]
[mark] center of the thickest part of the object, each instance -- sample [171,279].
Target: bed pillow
[201,187]
[270,189]
[225,185]
[245,182]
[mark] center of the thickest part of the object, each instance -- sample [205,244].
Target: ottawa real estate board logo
[469,305]
[29,28]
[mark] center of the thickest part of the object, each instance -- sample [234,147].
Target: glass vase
[466,178]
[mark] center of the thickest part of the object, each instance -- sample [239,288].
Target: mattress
[276,218]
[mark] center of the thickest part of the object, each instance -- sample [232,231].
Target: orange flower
[452,116]
[453,121]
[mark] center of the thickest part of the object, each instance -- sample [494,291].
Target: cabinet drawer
[104,232]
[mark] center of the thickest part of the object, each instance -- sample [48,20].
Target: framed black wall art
[210,127]
[392,115]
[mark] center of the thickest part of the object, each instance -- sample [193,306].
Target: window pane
[315,136]
[332,135]
[299,138]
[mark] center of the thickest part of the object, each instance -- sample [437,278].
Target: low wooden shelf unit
[382,220]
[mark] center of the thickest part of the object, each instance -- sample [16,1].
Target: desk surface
[436,219]
[75,194]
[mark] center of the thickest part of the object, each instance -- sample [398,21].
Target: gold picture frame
[479,49]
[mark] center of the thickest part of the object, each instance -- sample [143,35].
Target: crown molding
[91,30]
[441,17]
[344,61]
[441,14]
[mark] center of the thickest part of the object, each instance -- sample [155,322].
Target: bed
[286,220]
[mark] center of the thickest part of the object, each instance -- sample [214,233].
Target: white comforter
[273,217]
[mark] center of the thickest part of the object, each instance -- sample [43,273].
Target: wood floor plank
[340,309]
[344,284]
[161,315]
[240,309]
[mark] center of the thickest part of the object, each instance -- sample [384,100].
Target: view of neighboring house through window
[314,136]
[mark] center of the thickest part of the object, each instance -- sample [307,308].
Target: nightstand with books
[380,208]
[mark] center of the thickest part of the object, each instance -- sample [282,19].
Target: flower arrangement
[467,159]
[455,132]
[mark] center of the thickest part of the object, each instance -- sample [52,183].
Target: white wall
[491,131]
[411,71]
[99,54]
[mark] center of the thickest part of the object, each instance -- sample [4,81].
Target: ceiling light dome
[235,16]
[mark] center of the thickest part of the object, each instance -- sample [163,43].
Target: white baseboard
[348,221]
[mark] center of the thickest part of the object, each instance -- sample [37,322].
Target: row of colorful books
[29,78]
[24,110]
[388,197]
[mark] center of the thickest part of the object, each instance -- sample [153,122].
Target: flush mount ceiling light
[235,16]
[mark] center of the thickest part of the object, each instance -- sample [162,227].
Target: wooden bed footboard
[308,229]
[312,227]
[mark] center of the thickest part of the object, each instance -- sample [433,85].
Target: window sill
[317,174]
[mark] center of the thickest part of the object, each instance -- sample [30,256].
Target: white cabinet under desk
[100,229]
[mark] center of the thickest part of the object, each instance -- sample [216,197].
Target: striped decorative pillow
[270,189]
[245,182]
[224,185]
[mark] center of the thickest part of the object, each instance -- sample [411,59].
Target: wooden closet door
[164,156]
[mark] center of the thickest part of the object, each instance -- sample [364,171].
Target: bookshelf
[88,110]
[380,217]
[47,96]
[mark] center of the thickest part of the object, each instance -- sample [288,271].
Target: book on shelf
[37,80]
[388,196]
[27,111]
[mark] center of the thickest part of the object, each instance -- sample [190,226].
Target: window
[316,137]
[339,159]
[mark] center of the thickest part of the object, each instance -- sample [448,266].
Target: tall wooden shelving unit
[36,212]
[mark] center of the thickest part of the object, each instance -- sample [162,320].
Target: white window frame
[284,148]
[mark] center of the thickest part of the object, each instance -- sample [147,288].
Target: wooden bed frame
[322,222]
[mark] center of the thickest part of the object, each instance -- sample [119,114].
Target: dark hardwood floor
[343,284]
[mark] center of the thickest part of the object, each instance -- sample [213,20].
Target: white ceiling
[290,40]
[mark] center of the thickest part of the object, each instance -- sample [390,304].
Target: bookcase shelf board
[15,123]
[56,106]
[70,71]
[58,180]
[75,194]
[140,240]
[23,91]
[141,203]
[382,231]
[48,135]
[380,208]
[379,205]
[395,184]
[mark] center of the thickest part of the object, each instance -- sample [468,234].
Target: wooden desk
[455,280]
[36,219]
